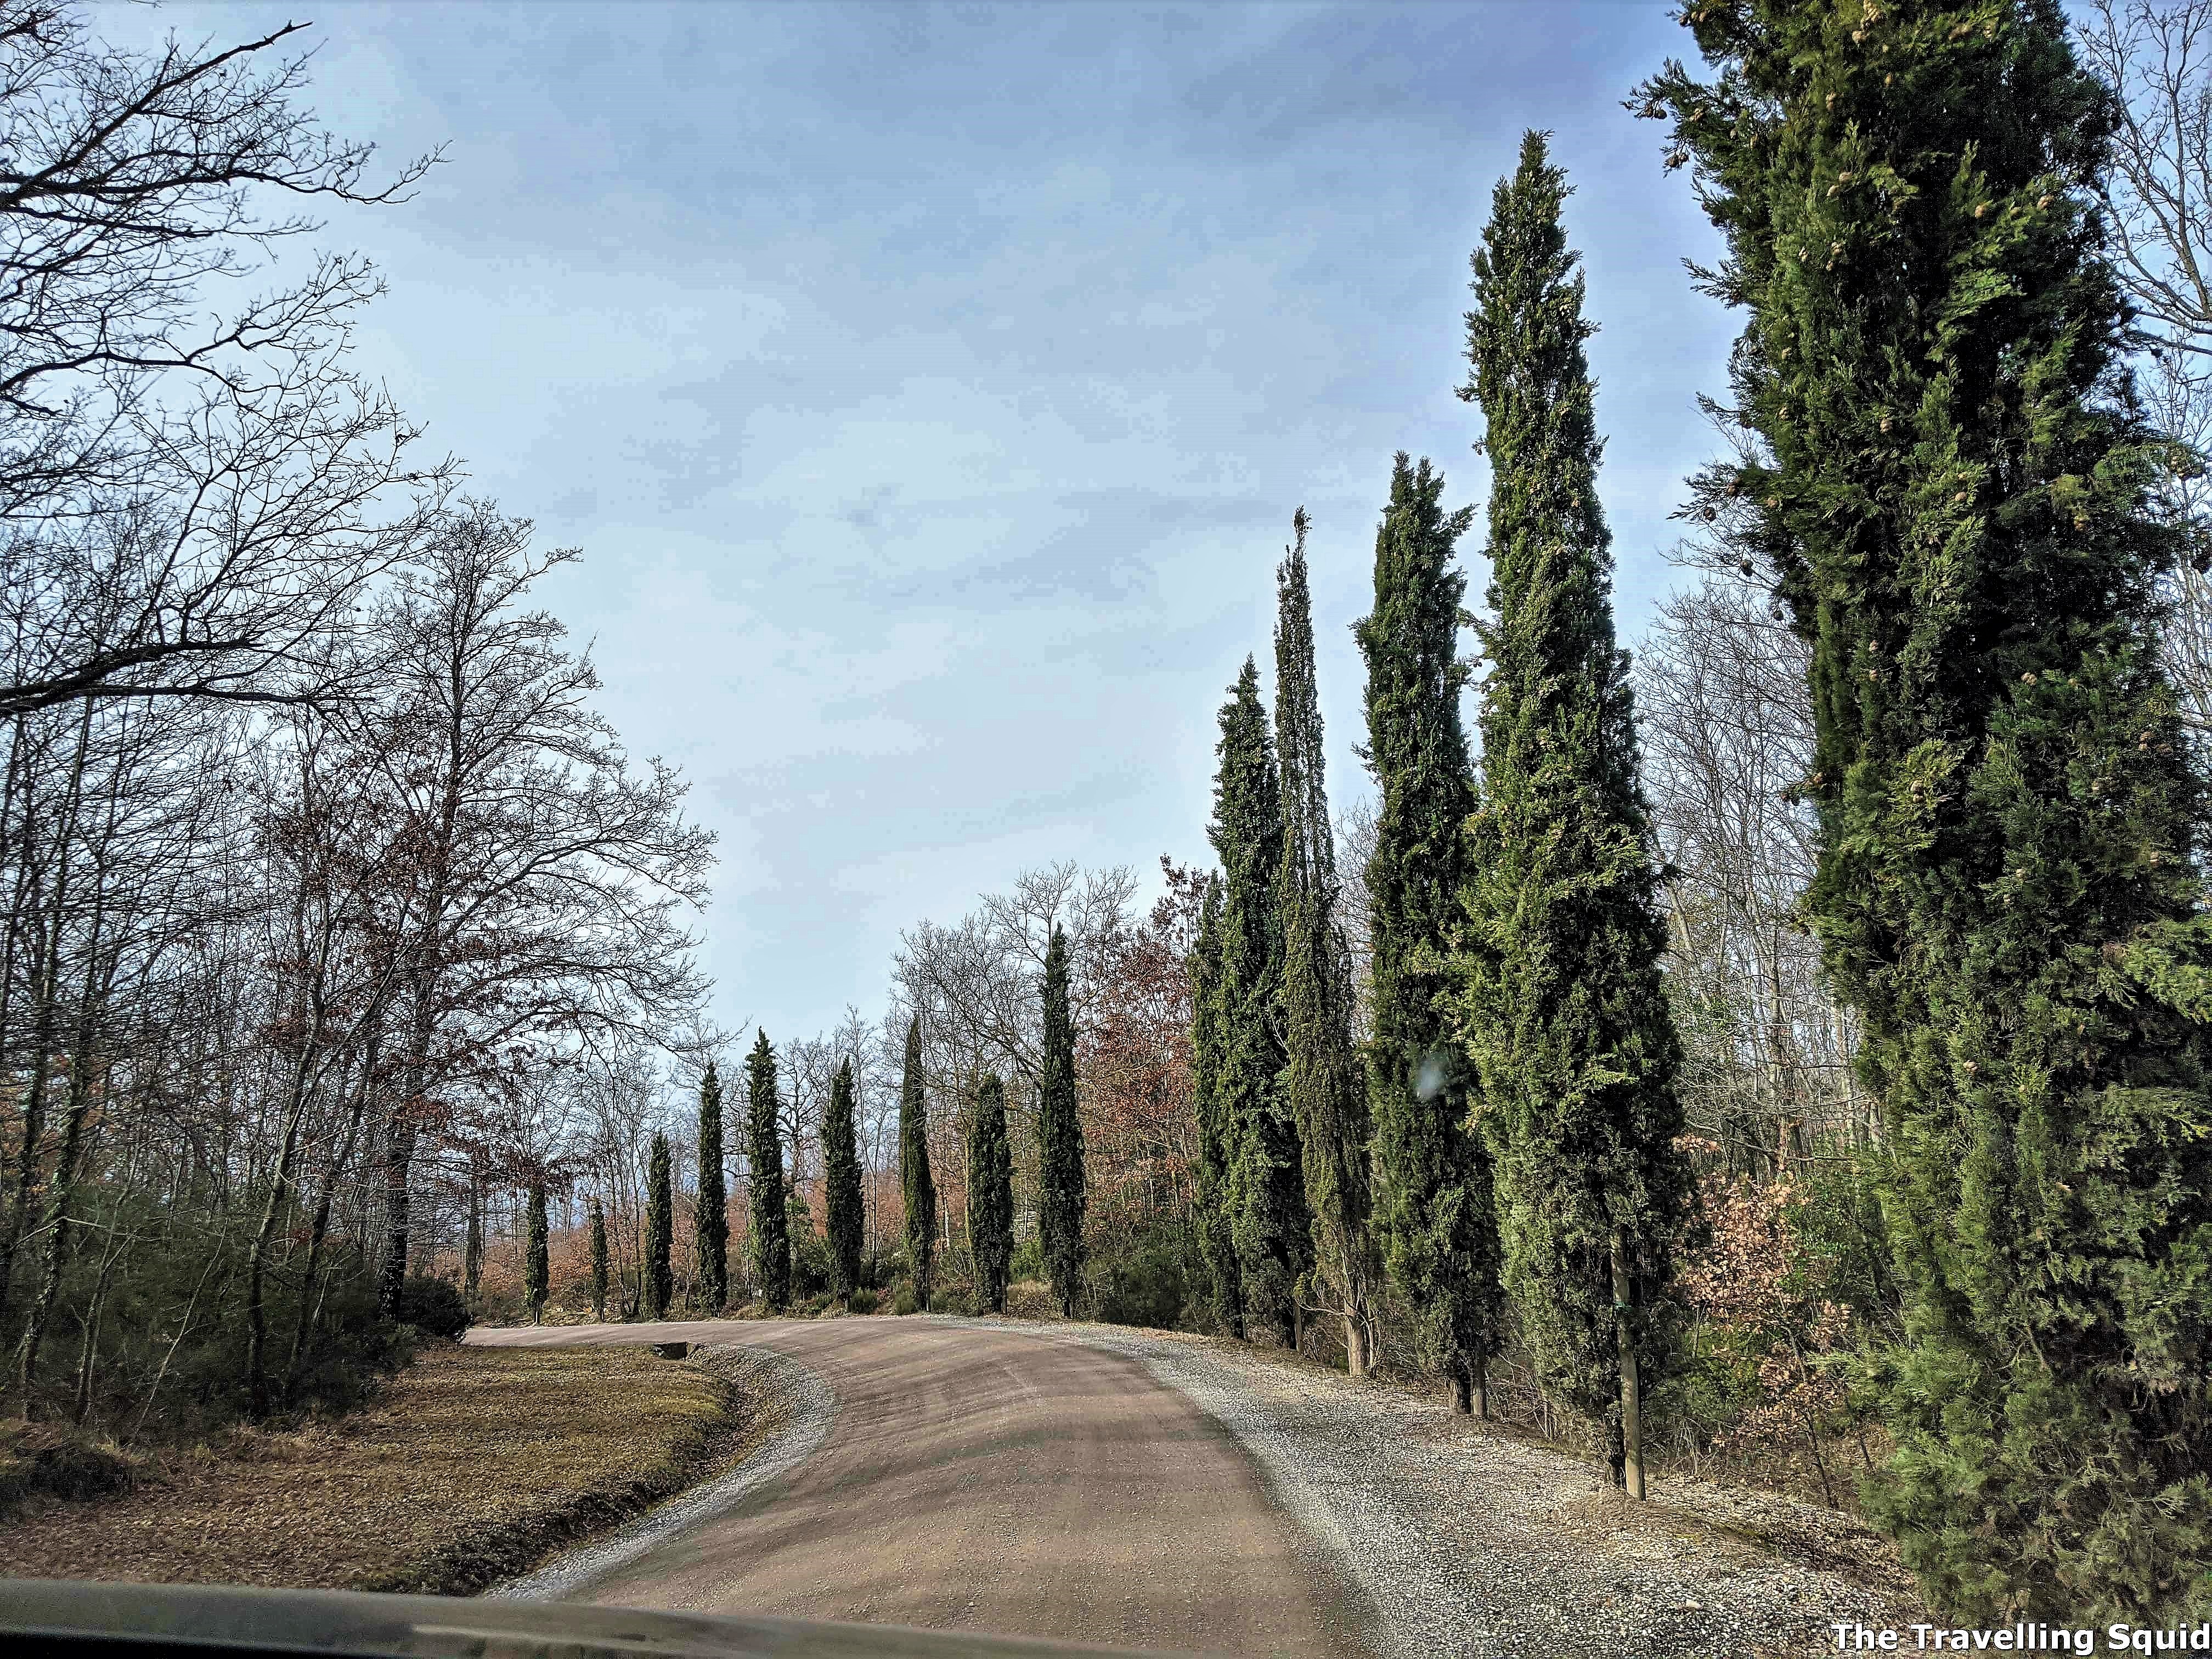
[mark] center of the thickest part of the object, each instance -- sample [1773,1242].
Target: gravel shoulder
[1468,1540]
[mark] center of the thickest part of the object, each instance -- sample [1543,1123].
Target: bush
[1028,1262]
[902,1297]
[810,1266]
[47,1461]
[1149,1286]
[861,1302]
[432,1306]
[951,1300]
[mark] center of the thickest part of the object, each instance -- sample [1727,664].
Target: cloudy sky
[930,387]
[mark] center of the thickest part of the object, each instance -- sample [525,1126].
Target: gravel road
[1142,1489]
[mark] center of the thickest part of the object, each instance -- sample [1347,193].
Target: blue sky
[930,387]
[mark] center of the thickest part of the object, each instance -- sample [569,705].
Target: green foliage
[991,1194]
[1948,479]
[535,1274]
[1264,1189]
[1433,1205]
[813,1269]
[660,1286]
[1217,1239]
[1562,1005]
[1060,1137]
[771,1236]
[599,1274]
[1148,1282]
[904,1300]
[915,1179]
[1322,1080]
[841,1170]
[711,1212]
[1027,1261]
[861,1302]
[952,1299]
[433,1306]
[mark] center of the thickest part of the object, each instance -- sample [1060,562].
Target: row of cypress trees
[1509,1127]
[1944,474]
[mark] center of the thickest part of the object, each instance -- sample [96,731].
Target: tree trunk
[1461,1378]
[1632,1403]
[1357,1359]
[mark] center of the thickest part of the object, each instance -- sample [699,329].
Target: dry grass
[473,1463]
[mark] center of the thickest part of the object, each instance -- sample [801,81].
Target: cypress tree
[1433,1207]
[914,1182]
[1321,1075]
[1265,1190]
[991,1194]
[1216,1238]
[535,1266]
[841,1170]
[771,1236]
[1564,1010]
[598,1261]
[1950,483]
[711,1214]
[1059,1137]
[659,1232]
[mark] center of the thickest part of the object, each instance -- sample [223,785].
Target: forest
[1778,1051]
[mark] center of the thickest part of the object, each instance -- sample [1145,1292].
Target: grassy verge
[471,1465]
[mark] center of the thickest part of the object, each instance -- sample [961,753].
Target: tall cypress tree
[711,1214]
[659,1232]
[598,1261]
[1265,1190]
[536,1267]
[1433,1206]
[1061,1199]
[771,1235]
[1564,1012]
[1949,483]
[1321,1075]
[991,1194]
[841,1173]
[915,1179]
[1217,1239]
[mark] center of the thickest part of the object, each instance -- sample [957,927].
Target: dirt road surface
[983,1479]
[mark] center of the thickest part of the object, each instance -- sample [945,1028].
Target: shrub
[951,1299]
[1029,1261]
[902,1297]
[1149,1286]
[812,1268]
[861,1302]
[432,1306]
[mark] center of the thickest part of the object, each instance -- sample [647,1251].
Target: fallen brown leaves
[471,1466]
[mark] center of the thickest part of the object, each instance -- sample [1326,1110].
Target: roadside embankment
[472,1465]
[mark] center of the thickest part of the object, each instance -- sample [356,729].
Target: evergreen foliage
[1061,1197]
[1433,1207]
[1264,1194]
[660,1278]
[711,1213]
[535,1267]
[1563,1010]
[1945,475]
[771,1233]
[598,1261]
[841,1171]
[991,1194]
[915,1179]
[1217,1239]
[1322,1081]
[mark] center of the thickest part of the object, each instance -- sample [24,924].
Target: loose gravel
[1468,1540]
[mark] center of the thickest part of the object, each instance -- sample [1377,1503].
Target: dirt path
[972,1477]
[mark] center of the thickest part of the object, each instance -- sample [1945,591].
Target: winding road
[985,1479]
